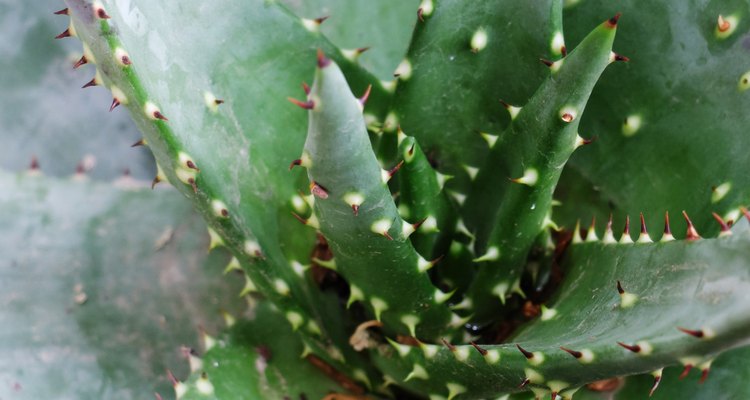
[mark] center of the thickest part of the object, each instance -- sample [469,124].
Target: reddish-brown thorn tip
[64,34]
[64,11]
[529,355]
[567,117]
[626,230]
[320,20]
[295,163]
[114,104]
[632,347]
[125,60]
[589,141]
[612,22]
[564,51]
[419,223]
[746,213]
[722,24]
[387,235]
[190,164]
[80,168]
[692,234]
[438,259]
[90,83]
[657,380]
[724,226]
[643,225]
[102,14]
[361,50]
[172,378]
[481,351]
[686,371]
[80,62]
[546,62]
[34,164]
[154,182]
[448,345]
[609,223]
[622,58]
[218,102]
[576,354]
[318,191]
[323,61]
[365,96]
[695,333]
[524,383]
[395,169]
[667,229]
[138,143]
[159,115]
[420,14]
[619,288]
[300,219]
[355,209]
[306,88]
[158,396]
[307,105]
[704,375]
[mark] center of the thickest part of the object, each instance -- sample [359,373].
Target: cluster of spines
[372,220]
[220,209]
[277,280]
[496,208]
[533,363]
[691,233]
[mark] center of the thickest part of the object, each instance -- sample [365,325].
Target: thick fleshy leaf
[671,125]
[625,309]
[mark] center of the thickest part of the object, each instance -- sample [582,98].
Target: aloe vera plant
[420,237]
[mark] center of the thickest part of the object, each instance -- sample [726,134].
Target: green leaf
[451,92]
[385,26]
[701,285]
[231,158]
[259,358]
[683,84]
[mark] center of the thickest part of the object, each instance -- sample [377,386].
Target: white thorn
[479,40]
[404,70]
[557,43]
[492,254]
[631,125]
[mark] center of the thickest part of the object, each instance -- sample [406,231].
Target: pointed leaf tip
[612,22]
